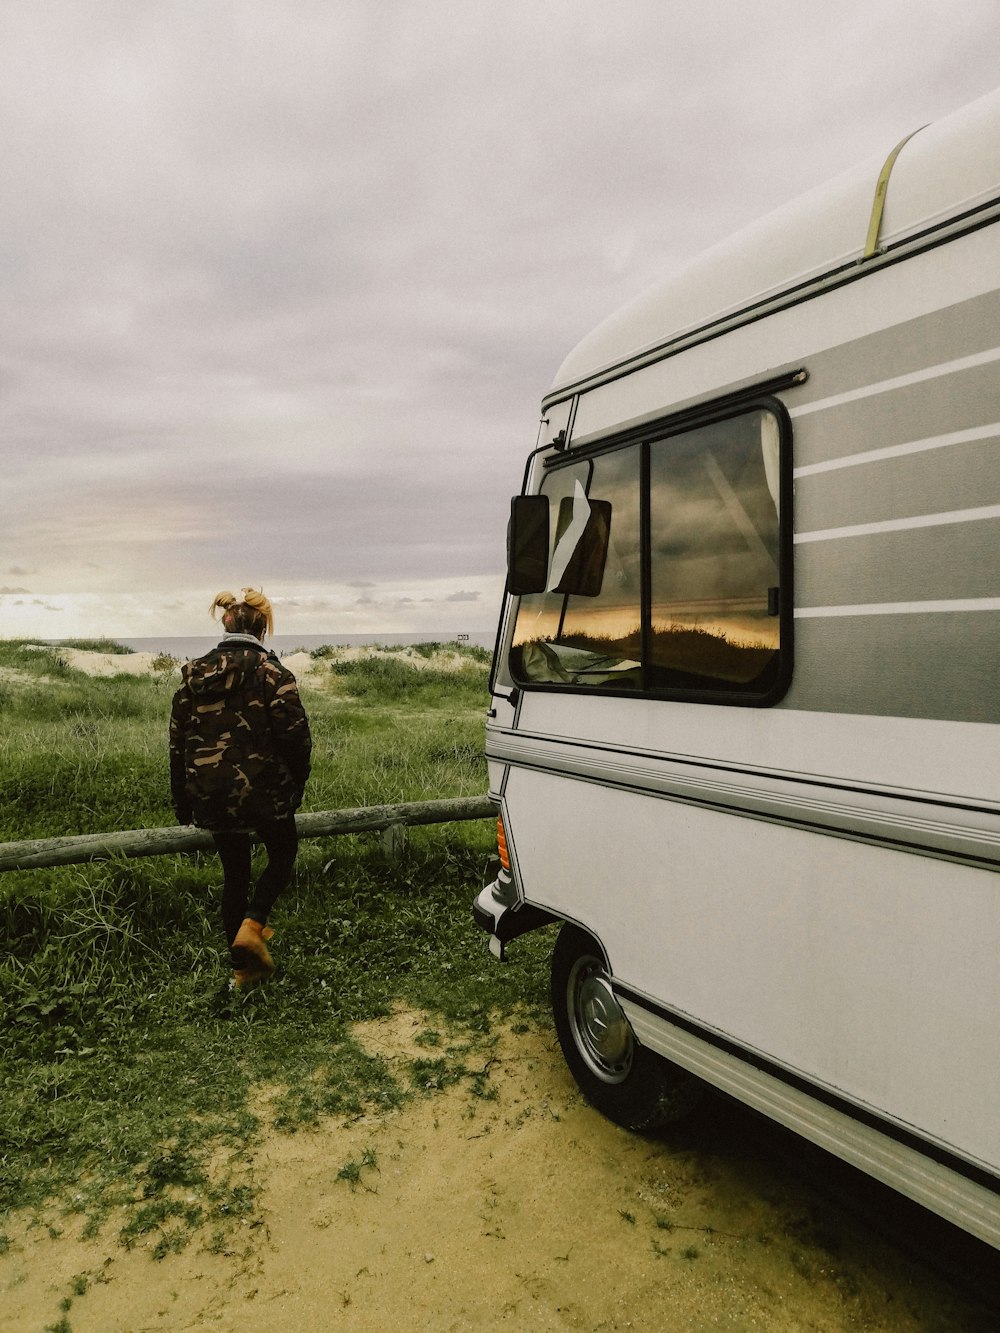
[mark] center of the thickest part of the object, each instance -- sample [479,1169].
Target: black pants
[281,843]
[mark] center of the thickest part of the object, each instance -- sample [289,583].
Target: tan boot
[249,951]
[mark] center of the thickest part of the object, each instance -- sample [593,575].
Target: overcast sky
[283,282]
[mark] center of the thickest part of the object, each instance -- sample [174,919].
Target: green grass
[131,1066]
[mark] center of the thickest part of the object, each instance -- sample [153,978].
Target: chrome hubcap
[602,1032]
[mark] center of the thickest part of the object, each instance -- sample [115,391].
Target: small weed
[433,1075]
[152,1216]
[627,1216]
[351,1171]
[479,1084]
[479,1087]
[802,1265]
[691,1252]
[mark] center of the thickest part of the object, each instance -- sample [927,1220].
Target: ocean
[183,647]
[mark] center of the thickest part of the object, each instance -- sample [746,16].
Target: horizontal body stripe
[920,824]
[900,524]
[971,436]
[941,335]
[937,562]
[897,382]
[899,608]
[939,664]
[968,401]
[938,1152]
[910,485]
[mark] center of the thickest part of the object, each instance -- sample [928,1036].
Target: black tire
[630,1084]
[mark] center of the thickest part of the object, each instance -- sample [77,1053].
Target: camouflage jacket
[239,739]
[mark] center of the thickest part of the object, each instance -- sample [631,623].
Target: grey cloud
[289,293]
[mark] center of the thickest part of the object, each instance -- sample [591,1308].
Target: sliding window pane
[715,557]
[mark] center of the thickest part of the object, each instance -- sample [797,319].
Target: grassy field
[130,1063]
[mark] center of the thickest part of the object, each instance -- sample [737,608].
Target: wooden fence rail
[163,841]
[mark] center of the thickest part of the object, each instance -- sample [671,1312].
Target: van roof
[943,172]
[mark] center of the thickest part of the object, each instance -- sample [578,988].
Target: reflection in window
[713,497]
[589,640]
[706,618]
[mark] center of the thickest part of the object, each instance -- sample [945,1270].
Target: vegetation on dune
[383,680]
[132,1068]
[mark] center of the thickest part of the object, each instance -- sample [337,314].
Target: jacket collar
[249,639]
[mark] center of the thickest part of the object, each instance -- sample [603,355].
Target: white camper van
[745,726]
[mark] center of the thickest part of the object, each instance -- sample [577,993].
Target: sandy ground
[108,664]
[523,1210]
[96,664]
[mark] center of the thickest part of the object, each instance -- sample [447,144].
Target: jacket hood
[225,670]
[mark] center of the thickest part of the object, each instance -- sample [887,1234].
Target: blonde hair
[252,615]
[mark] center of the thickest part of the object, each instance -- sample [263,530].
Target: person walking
[239,760]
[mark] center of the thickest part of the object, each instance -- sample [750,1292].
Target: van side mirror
[584,571]
[583,534]
[528,544]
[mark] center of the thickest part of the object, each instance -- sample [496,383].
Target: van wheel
[628,1083]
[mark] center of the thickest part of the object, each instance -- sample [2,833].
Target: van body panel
[795,891]
[959,760]
[735,929]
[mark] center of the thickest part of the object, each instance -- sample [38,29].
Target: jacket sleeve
[290,728]
[180,719]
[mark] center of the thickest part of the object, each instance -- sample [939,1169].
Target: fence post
[394,842]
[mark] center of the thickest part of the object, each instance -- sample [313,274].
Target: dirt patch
[500,1201]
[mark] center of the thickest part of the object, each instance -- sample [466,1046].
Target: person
[239,758]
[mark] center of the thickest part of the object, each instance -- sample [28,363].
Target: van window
[690,609]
